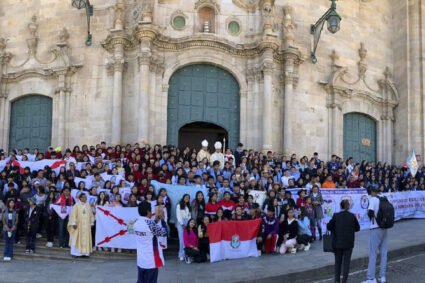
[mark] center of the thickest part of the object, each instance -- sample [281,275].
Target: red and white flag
[233,239]
[54,164]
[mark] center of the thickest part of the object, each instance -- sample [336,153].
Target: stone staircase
[55,253]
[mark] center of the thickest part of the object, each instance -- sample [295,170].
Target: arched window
[206,20]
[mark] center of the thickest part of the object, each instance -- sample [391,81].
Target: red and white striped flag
[233,239]
[54,164]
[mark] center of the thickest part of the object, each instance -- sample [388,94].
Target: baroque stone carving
[341,88]
[288,27]
[209,3]
[267,15]
[60,62]
[119,16]
[248,5]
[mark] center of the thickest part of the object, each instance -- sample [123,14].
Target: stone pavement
[407,237]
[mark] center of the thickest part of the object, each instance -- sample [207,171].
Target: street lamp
[80,4]
[333,20]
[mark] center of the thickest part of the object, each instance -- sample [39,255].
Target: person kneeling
[190,240]
[304,233]
[288,233]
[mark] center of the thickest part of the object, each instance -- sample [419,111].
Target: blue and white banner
[176,192]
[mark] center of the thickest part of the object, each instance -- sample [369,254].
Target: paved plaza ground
[406,239]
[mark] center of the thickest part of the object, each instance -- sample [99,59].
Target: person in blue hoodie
[304,233]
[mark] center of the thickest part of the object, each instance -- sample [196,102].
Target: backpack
[385,217]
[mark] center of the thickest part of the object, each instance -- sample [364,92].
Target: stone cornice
[119,37]
[248,5]
[47,73]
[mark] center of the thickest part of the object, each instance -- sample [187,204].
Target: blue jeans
[378,242]
[147,275]
[180,231]
[63,232]
[8,246]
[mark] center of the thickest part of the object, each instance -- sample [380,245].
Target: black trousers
[304,239]
[342,257]
[51,225]
[30,240]
[197,255]
[147,275]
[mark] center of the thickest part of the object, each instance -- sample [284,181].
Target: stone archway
[203,93]
[31,123]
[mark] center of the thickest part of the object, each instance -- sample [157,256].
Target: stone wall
[392,42]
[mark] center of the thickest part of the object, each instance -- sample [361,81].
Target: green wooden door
[31,123]
[203,93]
[359,137]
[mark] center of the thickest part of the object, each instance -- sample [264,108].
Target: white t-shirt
[149,252]
[374,205]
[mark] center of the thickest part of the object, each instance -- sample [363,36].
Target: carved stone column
[143,99]
[60,91]
[117,94]
[152,101]
[292,58]
[160,119]
[267,101]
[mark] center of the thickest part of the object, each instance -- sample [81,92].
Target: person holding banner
[64,200]
[149,251]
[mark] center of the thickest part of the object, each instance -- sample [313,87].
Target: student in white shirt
[149,251]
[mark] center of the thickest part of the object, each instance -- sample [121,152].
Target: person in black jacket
[31,225]
[343,226]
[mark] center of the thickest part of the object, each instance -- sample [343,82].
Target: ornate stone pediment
[59,61]
[343,84]
[248,5]
[209,3]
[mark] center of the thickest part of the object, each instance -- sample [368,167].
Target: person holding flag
[149,251]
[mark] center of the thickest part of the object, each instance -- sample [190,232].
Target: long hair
[188,226]
[183,204]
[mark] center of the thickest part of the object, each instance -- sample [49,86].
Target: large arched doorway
[359,137]
[193,134]
[203,93]
[31,123]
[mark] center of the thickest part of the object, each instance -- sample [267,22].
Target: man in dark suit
[343,226]
[32,216]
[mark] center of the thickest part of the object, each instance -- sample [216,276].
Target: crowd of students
[26,196]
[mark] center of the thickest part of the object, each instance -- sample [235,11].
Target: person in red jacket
[228,205]
[212,206]
[301,201]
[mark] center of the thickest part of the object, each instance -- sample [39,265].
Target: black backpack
[385,218]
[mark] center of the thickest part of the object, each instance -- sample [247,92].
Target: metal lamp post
[80,4]
[333,20]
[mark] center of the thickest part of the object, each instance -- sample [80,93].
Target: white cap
[217,145]
[204,143]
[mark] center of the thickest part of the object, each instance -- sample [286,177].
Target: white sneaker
[49,245]
[307,247]
[370,281]
[383,280]
[259,252]
[181,258]
[119,250]
[38,236]
[301,247]
[187,260]
[7,258]
[293,250]
[112,250]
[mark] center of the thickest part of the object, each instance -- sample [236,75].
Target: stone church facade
[162,71]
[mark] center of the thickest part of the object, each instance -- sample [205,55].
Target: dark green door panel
[359,137]
[31,123]
[203,93]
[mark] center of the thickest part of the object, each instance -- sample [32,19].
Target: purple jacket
[270,226]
